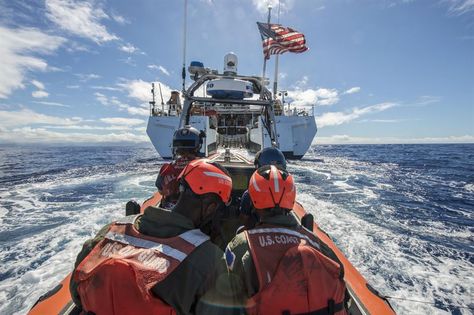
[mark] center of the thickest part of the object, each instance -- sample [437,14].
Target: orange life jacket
[118,274]
[294,276]
[169,174]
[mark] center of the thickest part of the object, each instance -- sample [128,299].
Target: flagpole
[264,56]
[275,80]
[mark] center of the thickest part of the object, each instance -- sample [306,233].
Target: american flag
[277,39]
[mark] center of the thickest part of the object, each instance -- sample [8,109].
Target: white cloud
[38,84]
[81,18]
[43,135]
[122,121]
[427,99]
[262,5]
[120,19]
[26,117]
[310,97]
[347,139]
[40,94]
[459,7]
[352,90]
[339,118]
[141,110]
[163,70]
[51,104]
[128,48]
[301,83]
[73,86]
[83,77]
[140,89]
[18,50]
[101,98]
[107,88]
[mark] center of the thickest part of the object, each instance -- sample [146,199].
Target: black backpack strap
[129,219]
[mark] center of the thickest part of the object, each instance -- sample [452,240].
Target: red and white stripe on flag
[286,39]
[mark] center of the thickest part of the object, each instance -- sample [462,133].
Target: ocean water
[402,214]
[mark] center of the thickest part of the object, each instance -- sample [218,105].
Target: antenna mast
[265,57]
[152,103]
[183,72]
[162,103]
[275,80]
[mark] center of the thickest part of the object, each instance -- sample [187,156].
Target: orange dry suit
[294,276]
[118,274]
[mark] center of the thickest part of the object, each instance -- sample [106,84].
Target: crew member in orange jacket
[160,262]
[187,142]
[280,267]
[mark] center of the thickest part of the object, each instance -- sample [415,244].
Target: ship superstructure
[234,111]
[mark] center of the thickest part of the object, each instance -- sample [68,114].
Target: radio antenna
[183,72]
[162,103]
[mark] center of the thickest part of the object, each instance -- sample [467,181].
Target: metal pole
[183,73]
[264,57]
[162,103]
[275,80]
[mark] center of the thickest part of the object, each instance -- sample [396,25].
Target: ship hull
[294,133]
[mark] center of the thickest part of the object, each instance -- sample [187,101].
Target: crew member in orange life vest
[187,142]
[279,267]
[160,262]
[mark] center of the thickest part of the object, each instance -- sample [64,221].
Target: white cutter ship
[235,112]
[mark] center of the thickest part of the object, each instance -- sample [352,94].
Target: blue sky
[378,71]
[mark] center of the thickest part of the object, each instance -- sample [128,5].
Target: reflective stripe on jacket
[117,275]
[294,276]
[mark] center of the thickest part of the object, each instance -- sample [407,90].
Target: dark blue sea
[402,214]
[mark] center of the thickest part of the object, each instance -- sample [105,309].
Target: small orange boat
[364,298]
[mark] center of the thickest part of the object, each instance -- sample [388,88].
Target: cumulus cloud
[43,135]
[339,118]
[40,94]
[122,121]
[352,90]
[140,110]
[128,48]
[26,117]
[81,18]
[310,97]
[140,89]
[18,50]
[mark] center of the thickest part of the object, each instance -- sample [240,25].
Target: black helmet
[270,156]
[187,139]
